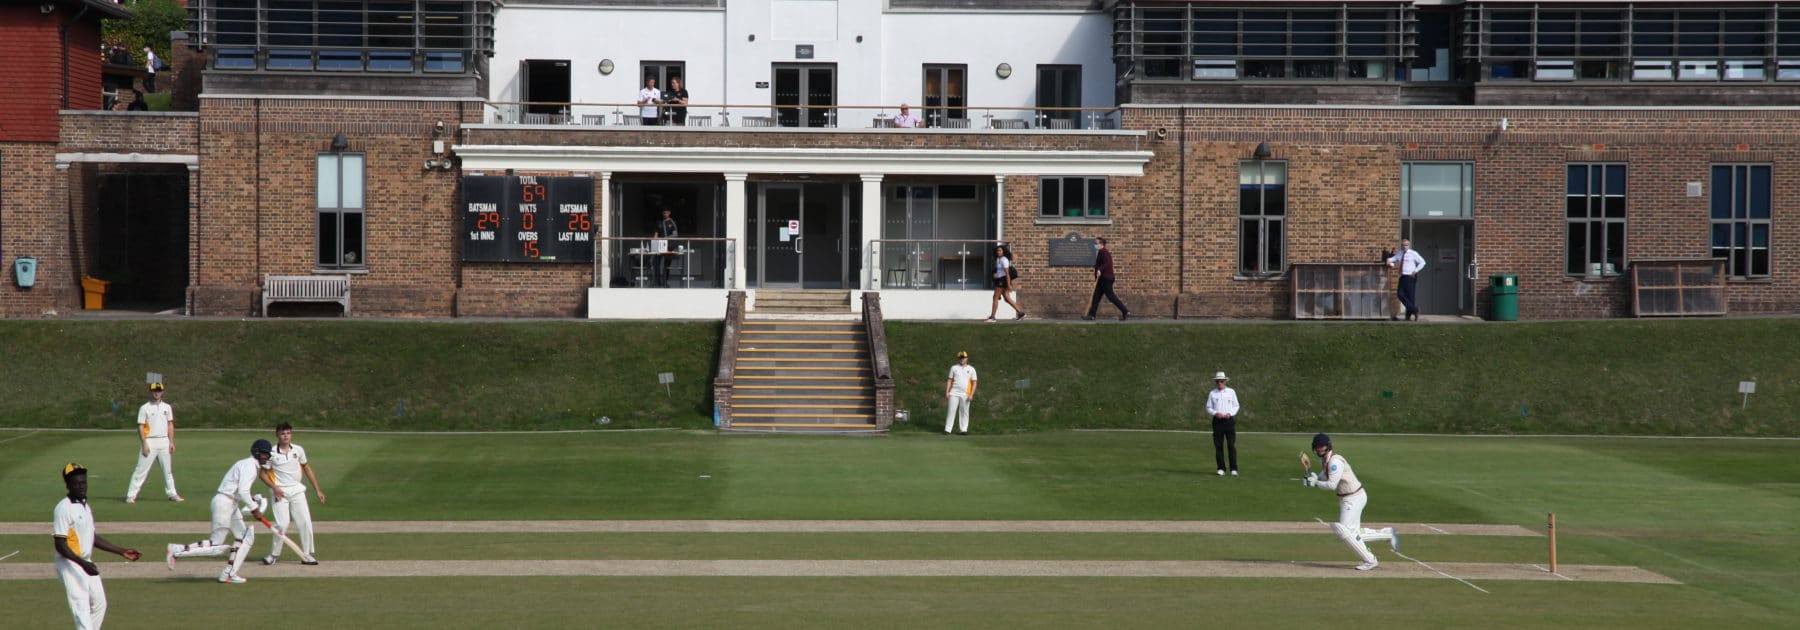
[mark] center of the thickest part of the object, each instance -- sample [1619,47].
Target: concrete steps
[802,375]
[799,301]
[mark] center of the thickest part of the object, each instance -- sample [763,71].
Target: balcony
[790,118]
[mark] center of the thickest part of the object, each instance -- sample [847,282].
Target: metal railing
[667,263]
[835,116]
[944,264]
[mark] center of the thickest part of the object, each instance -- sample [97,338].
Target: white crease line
[1397,553]
[2,558]
[1428,526]
[1542,568]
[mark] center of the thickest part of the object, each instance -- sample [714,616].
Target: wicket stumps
[1552,529]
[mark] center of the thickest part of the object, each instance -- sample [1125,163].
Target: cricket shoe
[1393,540]
[130,500]
[171,555]
[1367,566]
[1234,473]
[1221,472]
[310,563]
[268,560]
[227,577]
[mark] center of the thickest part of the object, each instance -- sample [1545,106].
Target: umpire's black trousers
[1225,439]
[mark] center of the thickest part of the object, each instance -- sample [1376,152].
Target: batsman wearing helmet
[1336,476]
[75,540]
[228,508]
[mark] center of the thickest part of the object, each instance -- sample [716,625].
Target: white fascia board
[801,161]
[187,159]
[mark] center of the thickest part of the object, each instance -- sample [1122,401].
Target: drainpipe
[1181,214]
[65,52]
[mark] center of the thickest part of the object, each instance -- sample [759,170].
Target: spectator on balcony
[117,56]
[150,64]
[677,99]
[648,99]
[906,119]
[137,102]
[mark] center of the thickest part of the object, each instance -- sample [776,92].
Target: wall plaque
[1072,251]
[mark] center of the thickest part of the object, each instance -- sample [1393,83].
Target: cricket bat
[1305,463]
[285,540]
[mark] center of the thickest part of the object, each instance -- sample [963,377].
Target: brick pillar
[182,79]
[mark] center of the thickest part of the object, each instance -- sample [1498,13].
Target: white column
[999,207]
[871,230]
[735,206]
[605,229]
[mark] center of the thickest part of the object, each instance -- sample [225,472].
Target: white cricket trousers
[1349,527]
[87,595]
[959,411]
[292,504]
[159,453]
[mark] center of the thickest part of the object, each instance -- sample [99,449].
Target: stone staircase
[801,302]
[803,375]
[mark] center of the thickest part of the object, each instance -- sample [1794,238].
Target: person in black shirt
[676,97]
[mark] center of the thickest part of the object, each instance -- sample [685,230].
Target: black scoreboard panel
[523,218]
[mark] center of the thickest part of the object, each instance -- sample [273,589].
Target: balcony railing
[377,37]
[945,264]
[836,116]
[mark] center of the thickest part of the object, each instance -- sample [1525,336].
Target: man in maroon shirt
[1103,283]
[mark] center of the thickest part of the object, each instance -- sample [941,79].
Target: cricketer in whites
[228,508]
[72,533]
[283,475]
[156,443]
[1339,478]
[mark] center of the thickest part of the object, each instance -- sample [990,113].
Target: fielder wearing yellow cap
[156,387]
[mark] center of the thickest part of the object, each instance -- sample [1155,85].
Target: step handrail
[728,343]
[880,369]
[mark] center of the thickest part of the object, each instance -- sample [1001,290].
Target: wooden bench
[305,289]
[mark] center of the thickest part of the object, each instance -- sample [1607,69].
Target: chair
[882,122]
[546,119]
[699,121]
[956,123]
[1009,123]
[1059,123]
[593,120]
[758,121]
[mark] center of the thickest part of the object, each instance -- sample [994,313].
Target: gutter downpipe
[1181,214]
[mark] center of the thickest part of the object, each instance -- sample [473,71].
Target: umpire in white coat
[1222,405]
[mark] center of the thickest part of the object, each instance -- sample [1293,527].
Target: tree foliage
[150,25]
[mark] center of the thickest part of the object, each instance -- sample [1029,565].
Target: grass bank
[1601,377]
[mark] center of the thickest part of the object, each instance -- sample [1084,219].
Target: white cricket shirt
[1339,477]
[74,521]
[286,466]
[157,416]
[240,481]
[962,380]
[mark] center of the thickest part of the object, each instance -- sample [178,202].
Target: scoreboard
[524,218]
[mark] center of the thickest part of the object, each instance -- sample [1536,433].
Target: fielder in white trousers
[229,505]
[156,450]
[291,504]
[958,414]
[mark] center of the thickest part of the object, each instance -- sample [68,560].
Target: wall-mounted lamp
[753,37]
[340,144]
[1262,151]
[1003,70]
[606,66]
[859,39]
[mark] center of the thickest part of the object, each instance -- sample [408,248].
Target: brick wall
[256,207]
[129,132]
[34,221]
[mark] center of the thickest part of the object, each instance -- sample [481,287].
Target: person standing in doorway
[1006,284]
[1222,405]
[959,389]
[1410,263]
[150,63]
[676,97]
[156,443]
[1336,476]
[74,538]
[1103,282]
[648,99]
[286,465]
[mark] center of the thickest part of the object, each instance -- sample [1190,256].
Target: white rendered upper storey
[862,57]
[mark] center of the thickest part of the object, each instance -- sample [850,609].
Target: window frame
[1747,222]
[340,212]
[1061,207]
[1466,203]
[1263,219]
[1596,217]
[951,105]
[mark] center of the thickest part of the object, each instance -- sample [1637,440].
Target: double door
[804,235]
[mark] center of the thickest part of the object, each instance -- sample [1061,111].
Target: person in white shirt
[72,533]
[150,64]
[156,443]
[906,119]
[286,465]
[1411,263]
[228,508]
[1339,478]
[959,389]
[1222,405]
[648,99]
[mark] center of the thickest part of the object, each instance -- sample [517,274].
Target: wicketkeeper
[1339,478]
[229,506]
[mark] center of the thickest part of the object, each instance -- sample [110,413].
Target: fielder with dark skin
[77,486]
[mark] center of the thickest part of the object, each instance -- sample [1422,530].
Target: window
[340,210]
[946,94]
[440,36]
[1072,197]
[1430,189]
[1641,42]
[1262,213]
[1595,214]
[1322,41]
[1740,218]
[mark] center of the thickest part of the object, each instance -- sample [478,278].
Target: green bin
[1505,289]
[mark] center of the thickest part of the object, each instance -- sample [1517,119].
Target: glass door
[780,248]
[804,94]
[1059,86]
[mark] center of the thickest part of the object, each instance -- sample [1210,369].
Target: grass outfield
[1720,516]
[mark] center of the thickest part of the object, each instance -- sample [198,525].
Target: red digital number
[528,220]
[579,223]
[529,194]
[531,249]
[488,221]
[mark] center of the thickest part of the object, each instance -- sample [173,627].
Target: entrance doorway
[1446,286]
[804,236]
[813,85]
[141,239]
[544,83]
